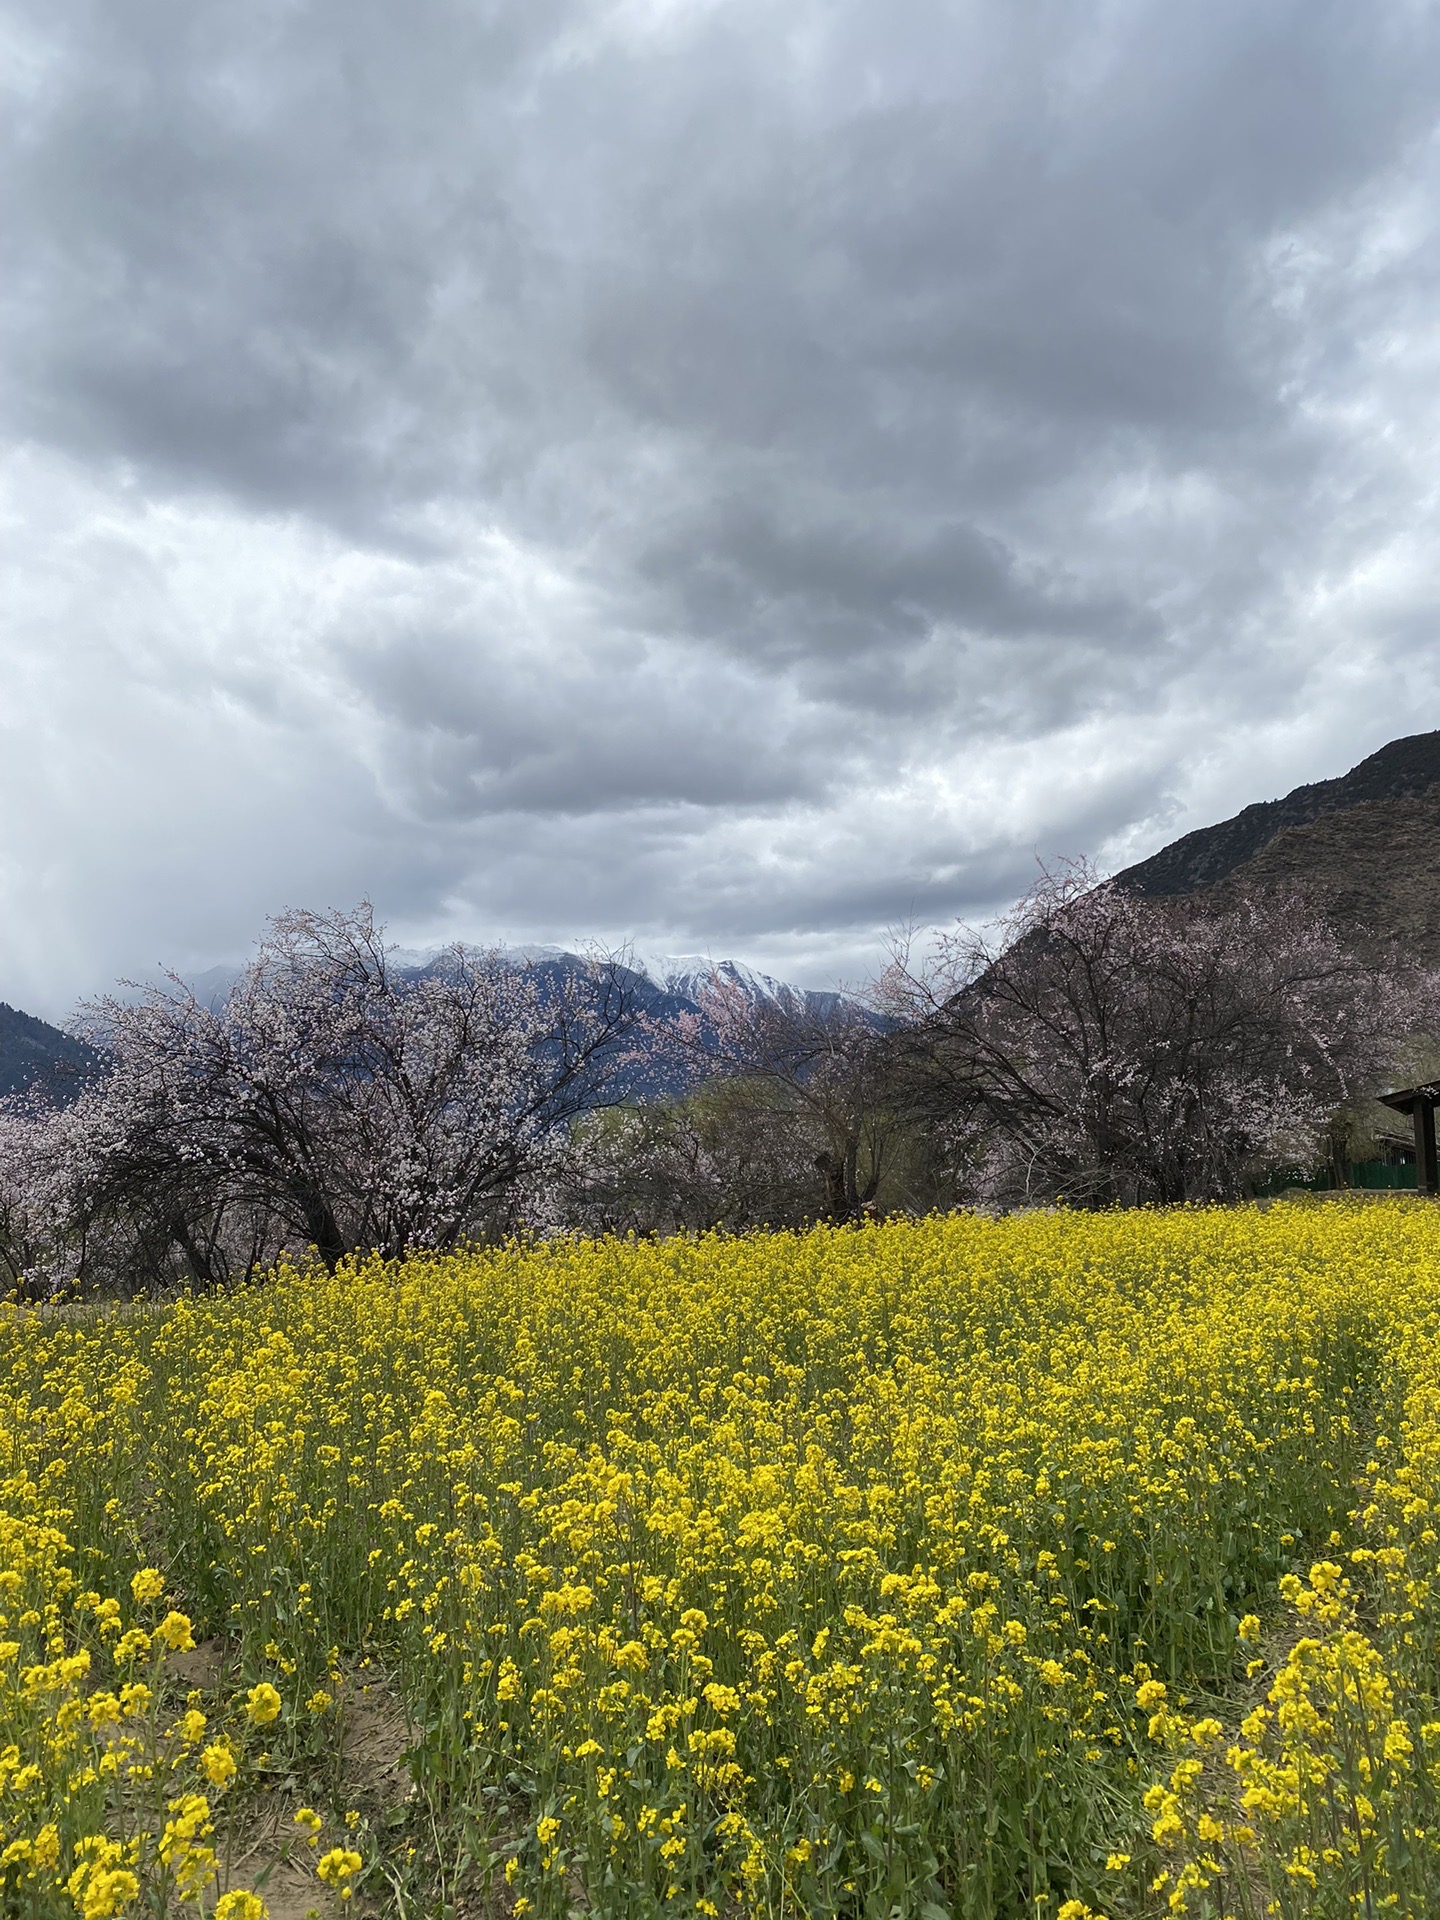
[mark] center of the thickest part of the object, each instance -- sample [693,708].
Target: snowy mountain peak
[689,975]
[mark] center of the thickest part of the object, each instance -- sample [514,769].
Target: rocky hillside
[1370,840]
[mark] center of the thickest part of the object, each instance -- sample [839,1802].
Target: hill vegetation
[35,1054]
[1376,864]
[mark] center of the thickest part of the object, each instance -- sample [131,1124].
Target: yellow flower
[107,1616]
[309,1822]
[102,1885]
[262,1704]
[104,1709]
[337,1867]
[131,1646]
[239,1905]
[507,1687]
[135,1699]
[661,1520]
[174,1631]
[217,1763]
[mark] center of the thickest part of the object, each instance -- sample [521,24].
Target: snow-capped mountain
[687,976]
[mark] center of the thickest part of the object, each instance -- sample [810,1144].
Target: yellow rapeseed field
[1047,1566]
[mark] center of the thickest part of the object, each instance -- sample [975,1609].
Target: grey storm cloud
[702,472]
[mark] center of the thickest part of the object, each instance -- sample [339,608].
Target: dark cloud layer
[732,475]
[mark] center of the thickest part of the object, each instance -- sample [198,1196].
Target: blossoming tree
[1111,1048]
[333,1099]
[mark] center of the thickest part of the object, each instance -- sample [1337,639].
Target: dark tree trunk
[832,1171]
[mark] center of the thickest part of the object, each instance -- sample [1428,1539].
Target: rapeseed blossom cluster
[1058,1566]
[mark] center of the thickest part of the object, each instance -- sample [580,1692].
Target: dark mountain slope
[35,1054]
[1377,866]
[1398,774]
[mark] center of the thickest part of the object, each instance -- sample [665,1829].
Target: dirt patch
[201,1666]
[280,1865]
[374,1734]
[370,1778]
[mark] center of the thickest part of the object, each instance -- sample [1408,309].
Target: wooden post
[1422,1113]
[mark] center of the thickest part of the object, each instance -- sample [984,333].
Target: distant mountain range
[1369,840]
[34,1053]
[678,978]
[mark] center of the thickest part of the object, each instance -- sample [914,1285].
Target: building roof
[1403,1098]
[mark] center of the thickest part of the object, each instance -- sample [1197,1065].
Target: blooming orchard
[1060,1565]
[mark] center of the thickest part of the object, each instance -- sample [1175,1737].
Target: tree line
[1101,1048]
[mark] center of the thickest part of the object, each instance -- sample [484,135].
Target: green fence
[1375,1175]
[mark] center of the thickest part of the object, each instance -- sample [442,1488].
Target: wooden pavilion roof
[1403,1099]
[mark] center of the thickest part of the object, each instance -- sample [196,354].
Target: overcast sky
[734,476]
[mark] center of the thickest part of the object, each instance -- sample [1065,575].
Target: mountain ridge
[36,1055]
[1403,769]
[680,977]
